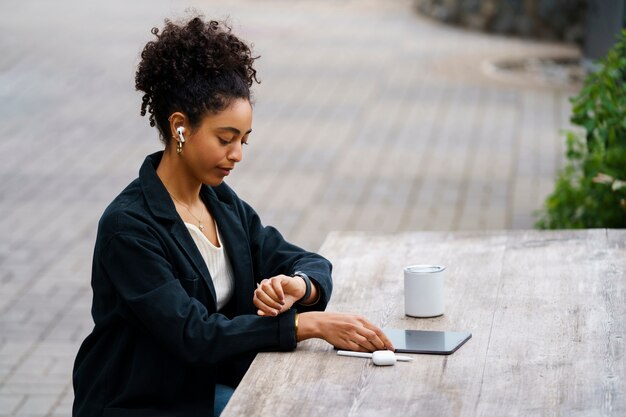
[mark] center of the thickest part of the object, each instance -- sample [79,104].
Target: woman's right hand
[344,331]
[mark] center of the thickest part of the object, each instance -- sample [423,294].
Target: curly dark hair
[195,68]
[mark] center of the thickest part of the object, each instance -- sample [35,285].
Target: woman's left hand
[276,295]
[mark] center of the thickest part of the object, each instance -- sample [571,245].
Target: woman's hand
[344,331]
[277,294]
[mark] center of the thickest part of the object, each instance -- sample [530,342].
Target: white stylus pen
[371,355]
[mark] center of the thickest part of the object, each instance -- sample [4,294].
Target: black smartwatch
[307,281]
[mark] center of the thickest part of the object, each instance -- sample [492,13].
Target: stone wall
[543,19]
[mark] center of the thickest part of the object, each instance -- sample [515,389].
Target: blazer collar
[157,197]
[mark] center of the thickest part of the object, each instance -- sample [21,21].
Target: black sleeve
[273,255]
[139,271]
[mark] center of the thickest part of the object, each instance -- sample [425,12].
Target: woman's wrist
[308,325]
[311,294]
[306,294]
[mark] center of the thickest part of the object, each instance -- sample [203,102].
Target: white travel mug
[423,290]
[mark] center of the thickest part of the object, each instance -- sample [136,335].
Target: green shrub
[591,190]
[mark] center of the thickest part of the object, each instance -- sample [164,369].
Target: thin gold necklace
[200,225]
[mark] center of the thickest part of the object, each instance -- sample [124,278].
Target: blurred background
[372,115]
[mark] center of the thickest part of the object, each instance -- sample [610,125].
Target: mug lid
[424,269]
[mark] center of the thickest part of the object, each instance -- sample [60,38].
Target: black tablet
[426,341]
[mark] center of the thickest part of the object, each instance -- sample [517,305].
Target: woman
[188,284]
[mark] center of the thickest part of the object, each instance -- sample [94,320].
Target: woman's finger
[380,337]
[373,340]
[270,295]
[267,286]
[278,289]
[267,311]
[386,341]
[356,347]
[365,343]
[265,302]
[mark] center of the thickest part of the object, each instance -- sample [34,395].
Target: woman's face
[213,149]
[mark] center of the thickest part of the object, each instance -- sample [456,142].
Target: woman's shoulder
[125,210]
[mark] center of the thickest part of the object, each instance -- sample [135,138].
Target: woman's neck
[177,179]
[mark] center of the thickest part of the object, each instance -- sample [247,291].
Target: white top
[217,261]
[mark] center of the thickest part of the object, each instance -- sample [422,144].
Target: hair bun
[195,65]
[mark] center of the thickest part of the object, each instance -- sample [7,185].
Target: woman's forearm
[308,325]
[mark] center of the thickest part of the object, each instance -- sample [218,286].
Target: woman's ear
[178,122]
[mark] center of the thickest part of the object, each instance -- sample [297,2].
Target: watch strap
[307,282]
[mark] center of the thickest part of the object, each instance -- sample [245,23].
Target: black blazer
[159,345]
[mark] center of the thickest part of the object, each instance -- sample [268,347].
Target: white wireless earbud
[180,131]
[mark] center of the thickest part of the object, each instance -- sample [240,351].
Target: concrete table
[547,311]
